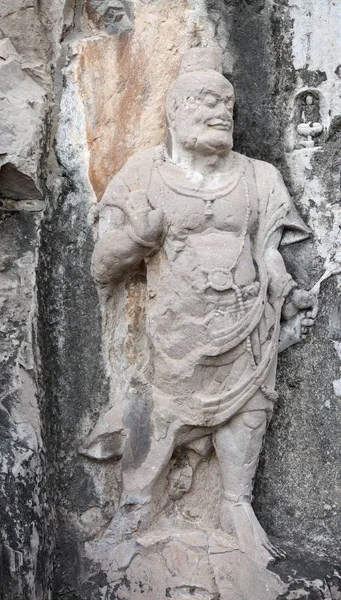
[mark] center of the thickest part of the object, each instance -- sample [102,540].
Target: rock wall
[27,511]
[82,89]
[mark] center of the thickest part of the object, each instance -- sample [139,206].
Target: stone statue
[207,223]
[310,125]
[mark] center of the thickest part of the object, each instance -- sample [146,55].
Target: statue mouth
[219,124]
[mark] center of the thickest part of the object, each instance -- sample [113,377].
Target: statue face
[203,117]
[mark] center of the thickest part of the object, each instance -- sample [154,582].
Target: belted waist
[232,306]
[220,279]
[233,295]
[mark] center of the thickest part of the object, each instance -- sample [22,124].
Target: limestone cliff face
[82,87]
[27,512]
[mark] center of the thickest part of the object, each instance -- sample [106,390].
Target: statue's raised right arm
[134,230]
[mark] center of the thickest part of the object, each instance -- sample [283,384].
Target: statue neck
[199,165]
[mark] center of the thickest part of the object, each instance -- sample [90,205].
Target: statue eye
[210,101]
[192,102]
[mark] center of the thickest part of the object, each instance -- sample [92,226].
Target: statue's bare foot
[239,519]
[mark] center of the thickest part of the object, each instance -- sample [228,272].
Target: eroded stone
[208,224]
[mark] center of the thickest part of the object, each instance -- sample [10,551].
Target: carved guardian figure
[208,224]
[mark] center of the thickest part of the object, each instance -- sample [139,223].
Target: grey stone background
[53,380]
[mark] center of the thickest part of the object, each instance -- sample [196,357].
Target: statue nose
[222,112]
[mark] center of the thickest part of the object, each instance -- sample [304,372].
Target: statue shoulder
[134,175]
[265,171]
[139,166]
[144,158]
[267,176]
[275,202]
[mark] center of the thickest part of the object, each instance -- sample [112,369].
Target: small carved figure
[310,125]
[113,16]
[208,223]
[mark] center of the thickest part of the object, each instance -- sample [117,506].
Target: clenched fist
[145,222]
[298,302]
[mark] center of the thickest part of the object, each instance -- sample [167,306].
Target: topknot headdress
[201,59]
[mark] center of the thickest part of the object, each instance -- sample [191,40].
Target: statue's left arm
[282,284]
[287,227]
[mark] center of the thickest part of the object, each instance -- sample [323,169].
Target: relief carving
[309,118]
[207,225]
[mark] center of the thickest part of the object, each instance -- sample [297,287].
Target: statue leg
[238,445]
[136,510]
[137,506]
[139,482]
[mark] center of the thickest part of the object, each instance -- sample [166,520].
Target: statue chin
[213,144]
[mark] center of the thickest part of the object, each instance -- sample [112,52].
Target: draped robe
[214,302]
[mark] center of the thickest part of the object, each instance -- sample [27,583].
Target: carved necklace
[208,197]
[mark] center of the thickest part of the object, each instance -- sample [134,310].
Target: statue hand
[145,221]
[303,299]
[300,301]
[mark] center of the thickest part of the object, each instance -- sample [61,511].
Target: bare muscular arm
[121,250]
[281,282]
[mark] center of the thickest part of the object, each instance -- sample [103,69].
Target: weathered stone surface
[27,519]
[25,513]
[113,16]
[123,80]
[22,113]
[175,207]
[274,54]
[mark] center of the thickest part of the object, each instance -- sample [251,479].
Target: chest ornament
[220,279]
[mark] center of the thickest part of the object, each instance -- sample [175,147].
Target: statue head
[200,104]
